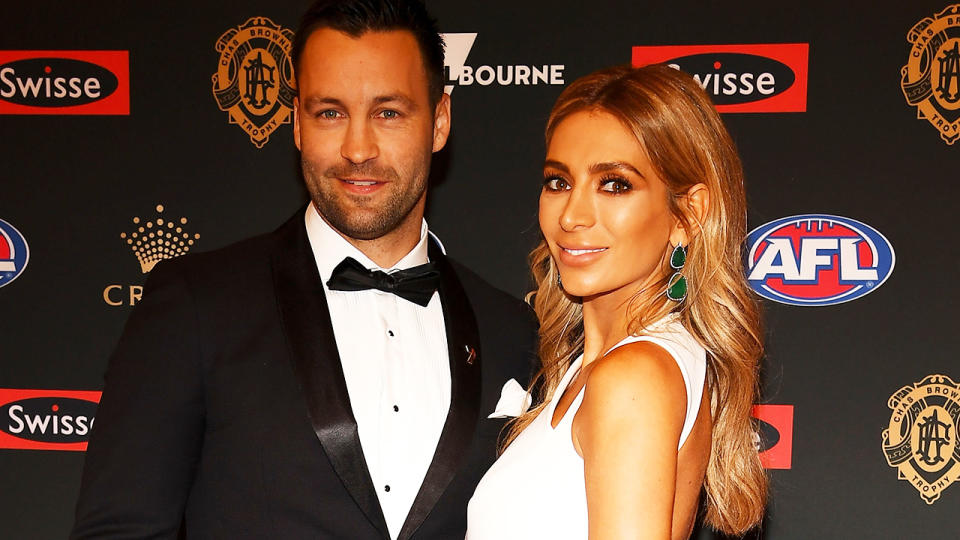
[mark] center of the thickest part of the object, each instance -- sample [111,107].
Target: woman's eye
[555,183]
[615,185]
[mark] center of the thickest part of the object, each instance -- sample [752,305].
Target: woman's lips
[581,255]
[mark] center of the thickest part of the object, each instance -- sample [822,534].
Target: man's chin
[358,229]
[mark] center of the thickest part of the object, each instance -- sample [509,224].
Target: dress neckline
[561,389]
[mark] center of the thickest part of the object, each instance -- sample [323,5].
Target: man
[265,390]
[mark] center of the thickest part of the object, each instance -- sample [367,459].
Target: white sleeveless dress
[536,488]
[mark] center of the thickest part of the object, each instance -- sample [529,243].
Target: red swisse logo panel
[46,419]
[65,82]
[775,423]
[740,78]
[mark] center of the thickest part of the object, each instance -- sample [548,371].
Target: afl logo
[14,253]
[817,260]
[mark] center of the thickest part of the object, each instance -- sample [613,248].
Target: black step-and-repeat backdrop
[131,132]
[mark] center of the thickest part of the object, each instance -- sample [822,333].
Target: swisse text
[735,83]
[740,78]
[59,420]
[54,82]
[733,78]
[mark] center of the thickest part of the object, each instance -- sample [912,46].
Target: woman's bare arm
[627,430]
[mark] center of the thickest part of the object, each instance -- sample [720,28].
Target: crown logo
[158,239]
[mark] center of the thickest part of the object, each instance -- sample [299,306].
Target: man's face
[365,129]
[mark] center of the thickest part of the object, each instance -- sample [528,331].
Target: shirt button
[390,333]
[396,409]
[386,488]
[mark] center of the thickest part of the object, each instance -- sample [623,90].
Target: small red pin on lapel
[471,354]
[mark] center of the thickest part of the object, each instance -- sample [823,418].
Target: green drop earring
[677,285]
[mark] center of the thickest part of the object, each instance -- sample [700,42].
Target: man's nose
[359,143]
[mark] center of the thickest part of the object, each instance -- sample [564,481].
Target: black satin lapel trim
[316,363]
[463,345]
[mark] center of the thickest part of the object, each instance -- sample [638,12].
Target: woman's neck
[604,323]
[607,318]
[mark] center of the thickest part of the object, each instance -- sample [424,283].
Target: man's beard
[363,225]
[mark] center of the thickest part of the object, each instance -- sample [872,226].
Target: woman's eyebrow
[612,166]
[556,165]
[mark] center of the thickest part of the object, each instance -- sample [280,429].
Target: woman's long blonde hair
[684,138]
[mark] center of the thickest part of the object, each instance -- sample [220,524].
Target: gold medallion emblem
[254,81]
[931,79]
[921,441]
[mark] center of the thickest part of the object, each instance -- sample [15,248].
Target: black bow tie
[415,284]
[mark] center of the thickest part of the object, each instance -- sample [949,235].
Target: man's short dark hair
[356,17]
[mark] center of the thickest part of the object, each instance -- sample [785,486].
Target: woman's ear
[696,203]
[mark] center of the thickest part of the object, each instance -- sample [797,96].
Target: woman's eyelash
[551,181]
[624,184]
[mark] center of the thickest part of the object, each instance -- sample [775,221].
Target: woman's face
[603,208]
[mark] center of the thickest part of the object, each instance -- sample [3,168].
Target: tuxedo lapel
[316,365]
[463,345]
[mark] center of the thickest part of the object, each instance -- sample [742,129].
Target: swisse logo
[46,419]
[817,260]
[458,73]
[735,78]
[64,82]
[740,78]
[774,435]
[35,82]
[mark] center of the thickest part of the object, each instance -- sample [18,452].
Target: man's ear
[696,203]
[296,121]
[441,122]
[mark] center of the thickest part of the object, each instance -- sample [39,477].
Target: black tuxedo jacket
[225,412]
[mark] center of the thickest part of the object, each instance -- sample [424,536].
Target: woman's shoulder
[638,370]
[635,395]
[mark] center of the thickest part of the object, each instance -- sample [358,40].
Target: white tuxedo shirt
[396,366]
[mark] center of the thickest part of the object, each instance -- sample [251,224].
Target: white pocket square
[514,401]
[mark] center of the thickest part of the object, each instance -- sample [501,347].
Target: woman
[650,338]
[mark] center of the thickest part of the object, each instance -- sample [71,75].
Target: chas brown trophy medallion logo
[254,81]
[931,79]
[921,442]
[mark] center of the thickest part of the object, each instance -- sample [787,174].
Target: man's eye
[615,185]
[555,183]
[328,114]
[389,114]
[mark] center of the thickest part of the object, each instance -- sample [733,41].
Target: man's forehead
[375,64]
[396,49]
